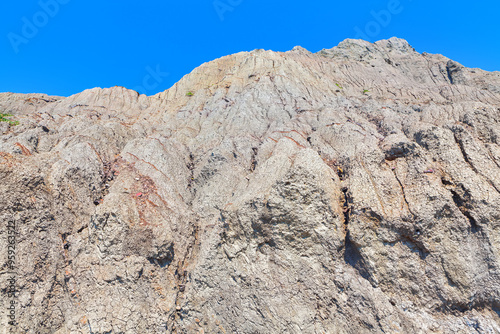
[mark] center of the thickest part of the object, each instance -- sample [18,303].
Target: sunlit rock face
[354,190]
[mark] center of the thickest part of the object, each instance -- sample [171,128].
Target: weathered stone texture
[355,190]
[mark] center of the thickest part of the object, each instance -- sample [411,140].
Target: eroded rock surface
[355,190]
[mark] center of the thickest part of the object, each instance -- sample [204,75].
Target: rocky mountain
[353,190]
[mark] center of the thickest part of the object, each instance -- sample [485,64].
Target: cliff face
[355,190]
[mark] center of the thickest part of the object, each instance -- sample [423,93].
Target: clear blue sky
[86,44]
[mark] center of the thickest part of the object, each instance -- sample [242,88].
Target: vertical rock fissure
[448,72]
[403,193]
[352,255]
[461,204]
[253,162]
[181,279]
[345,205]
[467,160]
[464,153]
[190,167]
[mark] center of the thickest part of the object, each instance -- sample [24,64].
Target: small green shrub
[365,91]
[3,118]
[339,86]
[189,94]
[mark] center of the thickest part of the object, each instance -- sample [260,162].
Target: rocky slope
[355,190]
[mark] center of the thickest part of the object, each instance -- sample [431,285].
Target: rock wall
[355,190]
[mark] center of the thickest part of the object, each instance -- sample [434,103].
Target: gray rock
[355,190]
